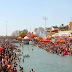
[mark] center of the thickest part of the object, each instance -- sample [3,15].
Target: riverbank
[41,61]
[6,57]
[60,45]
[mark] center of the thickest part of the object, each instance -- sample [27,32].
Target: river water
[41,61]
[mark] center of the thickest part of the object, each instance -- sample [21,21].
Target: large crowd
[56,46]
[8,57]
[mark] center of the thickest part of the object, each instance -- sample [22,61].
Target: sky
[23,14]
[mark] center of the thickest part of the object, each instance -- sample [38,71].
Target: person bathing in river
[32,70]
[32,49]
[19,66]
[23,60]
[22,71]
[19,61]
[22,45]
[22,52]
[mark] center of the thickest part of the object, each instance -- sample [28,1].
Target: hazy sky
[23,14]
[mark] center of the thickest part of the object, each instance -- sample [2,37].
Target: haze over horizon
[23,14]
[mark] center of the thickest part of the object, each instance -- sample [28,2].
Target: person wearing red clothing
[23,60]
[15,70]
[22,70]
[4,61]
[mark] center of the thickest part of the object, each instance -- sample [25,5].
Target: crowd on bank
[7,58]
[57,47]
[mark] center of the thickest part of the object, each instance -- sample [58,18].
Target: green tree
[32,32]
[23,34]
[41,28]
[62,25]
[20,34]
[36,28]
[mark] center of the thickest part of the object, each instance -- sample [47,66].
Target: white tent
[26,37]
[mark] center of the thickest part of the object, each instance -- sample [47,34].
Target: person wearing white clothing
[2,60]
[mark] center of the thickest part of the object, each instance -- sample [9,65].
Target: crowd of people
[56,46]
[7,57]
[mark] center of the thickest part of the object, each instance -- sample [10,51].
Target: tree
[41,28]
[23,34]
[36,28]
[32,32]
[15,33]
[62,25]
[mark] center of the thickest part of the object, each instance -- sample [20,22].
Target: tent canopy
[62,41]
[70,38]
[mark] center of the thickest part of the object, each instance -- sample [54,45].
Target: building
[55,29]
[52,30]
[64,28]
[70,25]
[48,29]
[25,31]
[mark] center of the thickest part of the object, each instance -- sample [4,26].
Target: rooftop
[54,26]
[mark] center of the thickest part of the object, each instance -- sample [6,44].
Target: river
[41,61]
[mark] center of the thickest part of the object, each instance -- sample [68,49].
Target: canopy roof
[70,38]
[58,40]
[38,38]
[45,40]
[29,32]
[26,37]
[62,41]
[19,38]
[31,37]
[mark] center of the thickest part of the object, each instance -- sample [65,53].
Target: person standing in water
[32,49]
[32,70]
[22,71]
[22,52]
[23,60]
[19,61]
